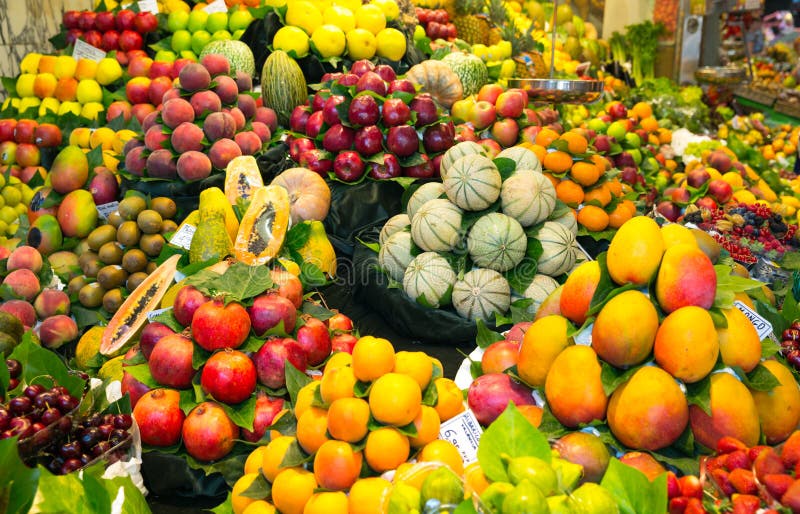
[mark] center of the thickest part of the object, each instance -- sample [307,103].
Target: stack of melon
[469,240]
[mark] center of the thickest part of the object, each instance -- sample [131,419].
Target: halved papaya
[132,315]
[263,227]
[242,178]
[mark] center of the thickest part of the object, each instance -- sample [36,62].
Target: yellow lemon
[304,15]
[391,44]
[389,7]
[353,5]
[91,110]
[25,85]
[108,71]
[102,136]
[361,44]
[370,17]
[291,39]
[30,63]
[80,137]
[86,69]
[65,66]
[28,102]
[342,17]
[329,40]
[275,3]
[73,107]
[49,105]
[110,160]
[89,91]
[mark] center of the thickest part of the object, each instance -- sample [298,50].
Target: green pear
[538,472]
[592,498]
[526,498]
[494,495]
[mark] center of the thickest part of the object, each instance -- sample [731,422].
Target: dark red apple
[401,85]
[314,124]
[125,19]
[348,166]
[362,66]
[395,112]
[145,22]
[720,190]
[299,118]
[402,141]
[338,138]
[348,79]
[371,81]
[299,146]
[425,108]
[364,111]
[368,140]
[385,72]
[330,114]
[318,161]
[389,169]
[315,340]
[669,210]
[438,137]
[422,170]
[71,19]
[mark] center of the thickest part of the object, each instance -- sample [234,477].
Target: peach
[187,136]
[66,89]
[119,108]
[171,94]
[216,64]
[268,117]
[247,104]
[25,257]
[194,77]
[58,330]
[261,130]
[176,111]
[226,89]
[135,162]
[193,166]
[720,161]
[686,277]
[155,138]
[248,142]
[204,102]
[23,283]
[222,151]
[142,110]
[149,120]
[244,81]
[733,413]
[140,67]
[51,302]
[22,310]
[219,125]
[158,87]
[238,117]
[161,164]
[137,90]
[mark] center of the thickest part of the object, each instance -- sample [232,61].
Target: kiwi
[149,221]
[7,344]
[115,219]
[164,206]
[112,300]
[128,234]
[111,253]
[151,244]
[82,247]
[134,280]
[76,284]
[130,207]
[91,295]
[134,260]
[111,277]
[91,266]
[168,226]
[151,267]
[86,257]
[100,236]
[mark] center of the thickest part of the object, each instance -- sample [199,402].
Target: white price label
[148,6]
[763,327]
[183,237]
[107,209]
[84,50]
[154,314]
[584,337]
[216,6]
[464,432]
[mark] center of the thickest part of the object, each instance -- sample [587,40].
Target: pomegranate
[151,334]
[171,361]
[216,325]
[269,310]
[271,358]
[267,408]
[159,416]
[130,385]
[187,301]
[229,376]
[343,343]
[340,322]
[208,433]
[489,396]
[289,286]
[314,339]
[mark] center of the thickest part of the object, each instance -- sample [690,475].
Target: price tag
[183,237]
[154,314]
[107,209]
[148,6]
[84,50]
[216,6]
[584,337]
[763,327]
[464,432]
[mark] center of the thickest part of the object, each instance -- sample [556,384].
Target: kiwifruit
[82,247]
[111,253]
[149,221]
[134,260]
[111,277]
[151,267]
[85,257]
[168,226]
[100,236]
[134,280]
[115,219]
[151,244]
[164,206]
[128,234]
[90,265]
[91,295]
[74,286]
[130,207]
[112,300]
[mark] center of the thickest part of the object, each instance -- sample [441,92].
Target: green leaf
[361,389]
[17,481]
[295,456]
[375,247]
[614,377]
[699,393]
[316,310]
[10,85]
[759,379]
[718,317]
[632,490]
[769,348]
[87,317]
[134,501]
[225,507]
[486,336]
[5,377]
[285,424]
[768,312]
[297,236]
[465,507]
[242,414]
[37,362]
[295,380]
[242,281]
[260,489]
[521,275]
[511,435]
[430,396]
[199,356]
[311,276]
[142,374]
[550,426]
[168,318]
[67,493]
[505,166]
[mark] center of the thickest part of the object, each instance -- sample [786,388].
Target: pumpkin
[309,194]
[395,254]
[283,85]
[437,79]
[540,288]
[425,192]
[528,197]
[557,254]
[242,177]
[525,158]
[437,225]
[263,227]
[473,182]
[497,242]
[429,280]
[396,223]
[481,294]
[455,152]
[569,221]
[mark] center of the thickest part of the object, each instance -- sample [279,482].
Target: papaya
[242,178]
[318,250]
[214,198]
[263,227]
[210,240]
[132,314]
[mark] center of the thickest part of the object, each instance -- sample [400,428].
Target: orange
[414,474]
[292,489]
[372,357]
[239,502]
[337,383]
[474,479]
[444,452]
[312,428]
[274,434]
[255,460]
[649,124]
[539,150]
[437,364]
[570,193]
[533,413]
[386,449]
[585,173]
[394,399]
[305,397]
[593,218]
[337,360]
[557,162]
[619,215]
[642,110]
[450,402]
[600,195]
[601,162]
[273,454]
[576,143]
[546,136]
[348,419]
[369,495]
[260,507]
[664,136]
[328,502]
[417,365]
[615,186]
[630,206]
[336,465]
[553,179]
[427,424]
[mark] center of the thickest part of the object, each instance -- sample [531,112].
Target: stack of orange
[365,413]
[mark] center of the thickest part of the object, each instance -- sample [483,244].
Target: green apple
[199,40]
[217,21]
[181,40]
[177,20]
[197,21]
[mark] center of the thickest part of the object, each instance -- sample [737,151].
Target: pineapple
[471,24]
[498,19]
[526,51]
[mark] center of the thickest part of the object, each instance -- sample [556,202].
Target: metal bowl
[560,90]
[721,75]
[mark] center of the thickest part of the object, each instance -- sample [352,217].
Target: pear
[526,498]
[538,472]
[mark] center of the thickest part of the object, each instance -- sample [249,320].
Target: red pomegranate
[151,334]
[229,376]
[187,301]
[314,339]
[216,325]
[267,408]
[340,322]
[159,416]
[171,361]
[208,433]
[289,286]
[343,343]
[268,310]
[130,385]
[271,360]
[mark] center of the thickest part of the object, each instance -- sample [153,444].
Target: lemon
[102,136]
[91,110]
[275,3]
[389,7]
[49,104]
[73,107]
[353,5]
[89,91]
[361,44]
[27,194]
[8,214]
[110,160]
[30,63]
[304,15]
[342,17]
[370,17]
[12,196]
[504,49]
[108,71]
[80,137]
[112,369]
[329,40]
[25,85]
[65,66]
[27,103]
[291,39]
[3,227]
[508,68]
[391,44]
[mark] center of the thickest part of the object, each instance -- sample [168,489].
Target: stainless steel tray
[721,75]
[560,90]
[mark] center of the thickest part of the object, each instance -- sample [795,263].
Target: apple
[425,108]
[402,140]
[530,132]
[385,72]
[680,195]
[330,113]
[617,110]
[623,160]
[94,38]
[465,133]
[505,132]
[483,114]
[348,166]
[389,169]
[697,177]
[299,118]
[629,174]
[491,146]
[461,110]
[71,19]
[361,67]
[75,34]
[364,111]
[436,162]
[7,127]
[105,21]
[489,93]
[438,137]
[317,161]
[371,81]
[318,102]
[510,104]
[348,79]
[633,139]
[421,170]
[314,124]
[602,144]
[145,22]
[338,138]
[720,190]
[706,202]
[86,20]
[161,69]
[125,19]
[25,131]
[159,86]
[401,85]
[669,210]
[395,112]
[529,117]
[327,77]
[110,40]
[299,146]
[130,40]
[368,140]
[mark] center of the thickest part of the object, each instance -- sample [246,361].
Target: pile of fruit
[123,31]
[21,145]
[192,31]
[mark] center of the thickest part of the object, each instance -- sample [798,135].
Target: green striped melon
[425,192]
[395,254]
[525,159]
[569,221]
[528,197]
[238,54]
[541,287]
[471,71]
[481,293]
[429,280]
[436,226]
[557,254]
[457,151]
[394,224]
[497,242]
[473,183]
[283,85]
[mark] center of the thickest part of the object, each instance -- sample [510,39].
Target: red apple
[510,104]
[491,146]
[125,19]
[422,170]
[104,21]
[505,132]
[371,81]
[317,161]
[145,22]
[402,141]
[348,166]
[483,114]
[110,40]
[390,168]
[368,140]
[298,146]
[330,114]
[706,202]
[70,19]
[401,85]
[395,112]
[362,66]
[130,40]
[438,137]
[425,108]
[489,93]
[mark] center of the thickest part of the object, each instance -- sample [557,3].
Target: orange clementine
[569,192]
[539,150]
[386,449]
[273,455]
[619,215]
[450,400]
[372,357]
[444,452]
[649,124]
[576,143]
[427,424]
[553,179]
[546,136]
[312,428]
[394,399]
[336,465]
[417,365]
[642,110]
[585,173]
[600,195]
[337,383]
[348,419]
[369,495]
[593,218]
[292,489]
[327,502]
[558,161]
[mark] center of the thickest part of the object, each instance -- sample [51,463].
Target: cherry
[5,418]
[71,450]
[123,421]
[14,368]
[46,399]
[89,437]
[50,416]
[20,405]
[71,465]
[105,430]
[101,448]
[13,383]
[33,390]
[67,403]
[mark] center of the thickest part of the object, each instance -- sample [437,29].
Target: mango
[551,305]
[70,170]
[578,291]
[674,234]
[739,344]
[625,329]
[778,409]
[686,277]
[77,214]
[687,345]
[573,387]
[542,343]
[733,413]
[45,234]
[635,252]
